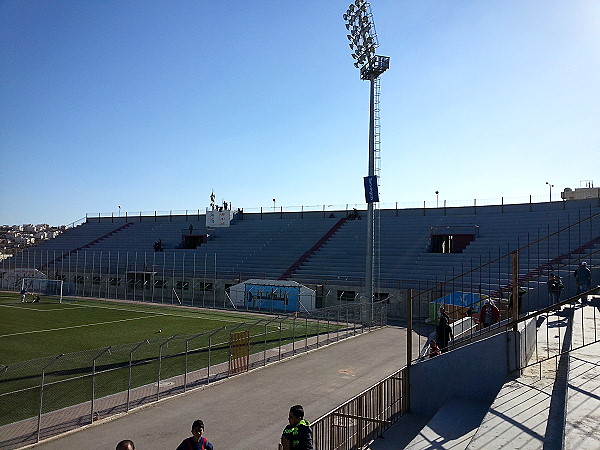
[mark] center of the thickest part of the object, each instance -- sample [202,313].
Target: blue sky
[151,105]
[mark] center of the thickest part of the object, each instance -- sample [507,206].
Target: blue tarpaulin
[457,299]
[460,299]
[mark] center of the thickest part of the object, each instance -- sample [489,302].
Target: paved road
[249,411]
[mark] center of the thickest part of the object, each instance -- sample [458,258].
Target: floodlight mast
[363,42]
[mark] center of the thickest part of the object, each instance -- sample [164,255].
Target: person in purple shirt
[196,441]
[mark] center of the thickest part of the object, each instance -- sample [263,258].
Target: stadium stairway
[306,255]
[554,404]
[86,245]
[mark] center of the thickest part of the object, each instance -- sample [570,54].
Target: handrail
[529,200]
[365,416]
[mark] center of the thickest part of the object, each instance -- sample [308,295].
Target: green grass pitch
[33,334]
[35,330]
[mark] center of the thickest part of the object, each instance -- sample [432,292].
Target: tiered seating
[404,240]
[266,245]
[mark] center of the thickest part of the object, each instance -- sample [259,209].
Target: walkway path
[250,410]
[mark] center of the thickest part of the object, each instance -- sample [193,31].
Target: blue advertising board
[280,298]
[371,190]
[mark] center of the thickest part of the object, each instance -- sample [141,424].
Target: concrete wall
[476,371]
[526,339]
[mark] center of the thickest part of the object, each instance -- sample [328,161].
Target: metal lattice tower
[363,42]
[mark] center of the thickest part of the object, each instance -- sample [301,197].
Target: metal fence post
[187,352]
[160,364]
[280,329]
[294,336]
[94,382]
[306,333]
[39,426]
[318,330]
[130,365]
[265,343]
[210,350]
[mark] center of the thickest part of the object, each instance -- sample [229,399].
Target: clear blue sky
[153,104]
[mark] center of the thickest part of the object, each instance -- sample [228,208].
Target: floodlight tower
[363,42]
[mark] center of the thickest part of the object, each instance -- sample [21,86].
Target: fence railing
[363,417]
[433,203]
[562,328]
[545,337]
[49,396]
[520,269]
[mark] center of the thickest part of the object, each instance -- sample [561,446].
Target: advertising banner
[283,298]
[371,190]
[218,218]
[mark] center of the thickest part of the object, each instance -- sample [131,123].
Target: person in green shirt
[297,435]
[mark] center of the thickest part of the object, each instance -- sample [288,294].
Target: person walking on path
[196,441]
[555,287]
[297,435]
[583,276]
[443,334]
[444,315]
[489,313]
[434,350]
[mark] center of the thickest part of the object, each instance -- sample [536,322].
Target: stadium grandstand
[114,257]
[458,258]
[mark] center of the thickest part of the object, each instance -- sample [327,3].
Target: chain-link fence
[48,396]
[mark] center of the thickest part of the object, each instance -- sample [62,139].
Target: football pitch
[78,345]
[47,328]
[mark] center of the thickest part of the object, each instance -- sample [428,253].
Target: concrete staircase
[553,404]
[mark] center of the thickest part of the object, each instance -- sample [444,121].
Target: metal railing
[523,269]
[45,397]
[565,327]
[363,417]
[433,203]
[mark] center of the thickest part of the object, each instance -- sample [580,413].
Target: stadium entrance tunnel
[450,243]
[452,239]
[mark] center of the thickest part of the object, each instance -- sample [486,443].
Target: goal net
[42,289]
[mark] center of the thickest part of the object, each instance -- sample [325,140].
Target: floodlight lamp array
[362,37]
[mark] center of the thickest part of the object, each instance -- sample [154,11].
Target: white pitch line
[74,326]
[186,316]
[35,309]
[158,313]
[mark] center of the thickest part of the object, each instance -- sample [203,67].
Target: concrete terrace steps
[271,243]
[453,426]
[582,424]
[553,404]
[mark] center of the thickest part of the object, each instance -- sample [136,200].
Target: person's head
[197,428]
[551,275]
[125,445]
[296,414]
[432,343]
[583,263]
